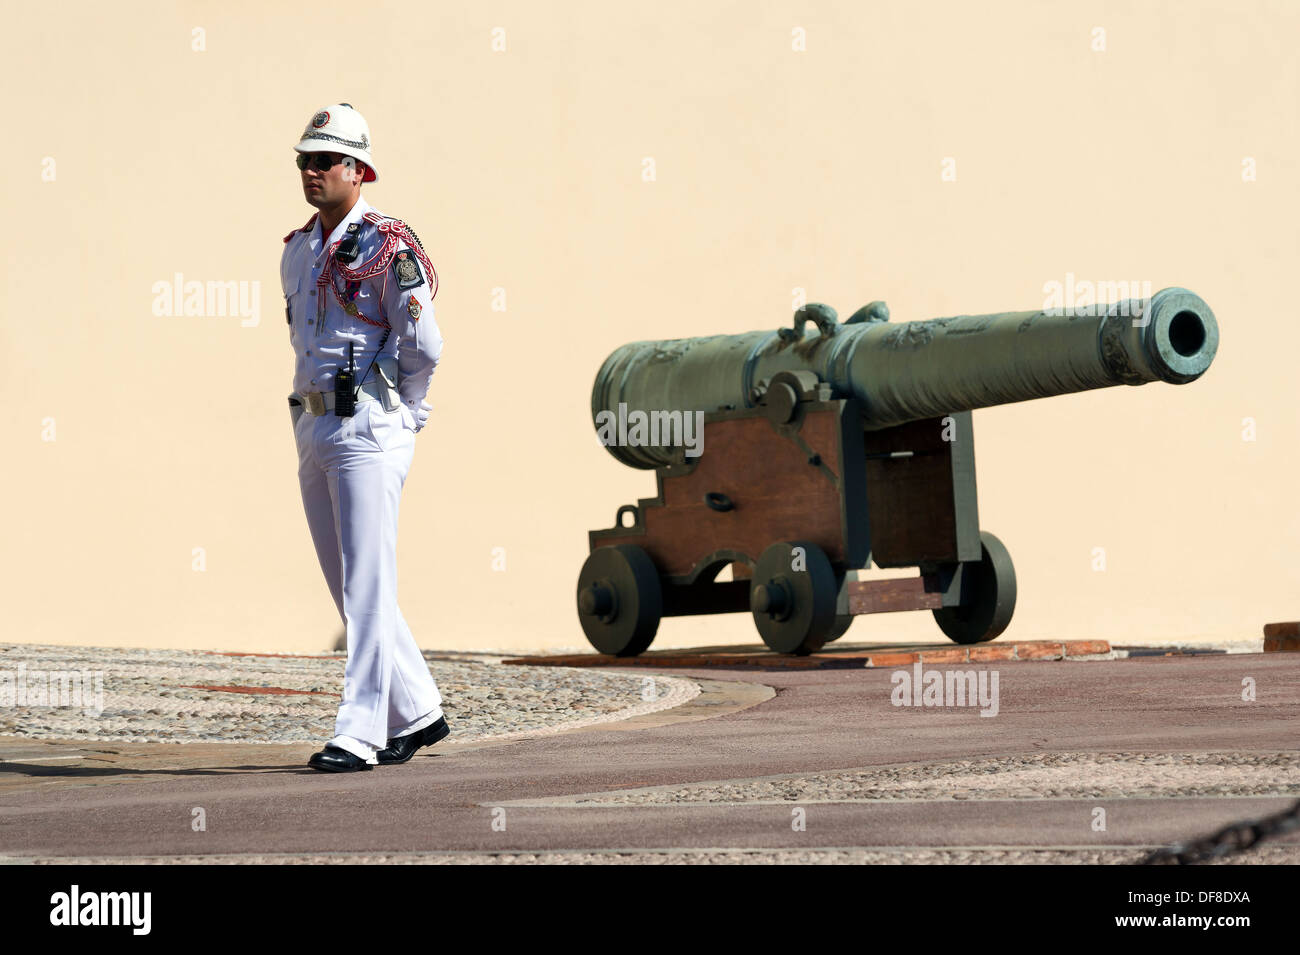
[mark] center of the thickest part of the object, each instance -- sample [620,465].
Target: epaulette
[307,228]
[397,224]
[392,231]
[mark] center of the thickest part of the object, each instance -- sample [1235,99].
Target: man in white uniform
[358,291]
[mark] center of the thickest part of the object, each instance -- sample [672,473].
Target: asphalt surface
[818,764]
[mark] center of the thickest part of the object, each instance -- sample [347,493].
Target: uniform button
[313,381]
[307,352]
[311,321]
[312,292]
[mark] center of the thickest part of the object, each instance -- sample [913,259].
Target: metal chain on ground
[1238,837]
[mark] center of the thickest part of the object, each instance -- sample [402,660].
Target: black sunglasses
[321,162]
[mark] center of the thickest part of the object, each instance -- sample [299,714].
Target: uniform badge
[353,227]
[351,309]
[407,270]
[413,307]
[320,119]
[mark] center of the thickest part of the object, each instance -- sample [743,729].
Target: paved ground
[195,696]
[760,766]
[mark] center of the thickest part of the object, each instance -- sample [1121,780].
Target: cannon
[801,455]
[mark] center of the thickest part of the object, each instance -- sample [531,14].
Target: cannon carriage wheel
[989,596]
[620,600]
[840,627]
[793,601]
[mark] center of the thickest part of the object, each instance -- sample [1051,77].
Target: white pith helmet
[339,129]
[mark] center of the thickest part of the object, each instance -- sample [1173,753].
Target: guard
[358,290]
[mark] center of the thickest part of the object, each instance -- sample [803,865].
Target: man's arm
[295,409]
[408,306]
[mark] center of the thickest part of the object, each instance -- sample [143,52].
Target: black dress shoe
[402,748]
[334,760]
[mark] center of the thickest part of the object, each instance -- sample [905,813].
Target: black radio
[345,395]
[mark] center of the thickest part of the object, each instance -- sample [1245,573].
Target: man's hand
[422,415]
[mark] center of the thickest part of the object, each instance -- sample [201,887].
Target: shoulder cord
[393,230]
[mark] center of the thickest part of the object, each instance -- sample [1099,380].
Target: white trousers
[351,471]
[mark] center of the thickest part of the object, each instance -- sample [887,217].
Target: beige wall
[522,170]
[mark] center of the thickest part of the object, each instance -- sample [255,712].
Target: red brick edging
[1282,637]
[269,690]
[847,659]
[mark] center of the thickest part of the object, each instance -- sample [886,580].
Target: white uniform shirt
[320,328]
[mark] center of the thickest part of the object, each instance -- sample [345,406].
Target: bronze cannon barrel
[909,371]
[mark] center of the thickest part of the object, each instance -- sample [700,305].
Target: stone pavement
[755,766]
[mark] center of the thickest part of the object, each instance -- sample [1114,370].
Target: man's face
[330,186]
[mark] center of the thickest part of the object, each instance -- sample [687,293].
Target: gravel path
[1031,776]
[1265,855]
[187,696]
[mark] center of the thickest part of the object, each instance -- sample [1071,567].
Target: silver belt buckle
[315,402]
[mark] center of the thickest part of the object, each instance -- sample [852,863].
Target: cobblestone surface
[171,696]
[1276,855]
[1032,776]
